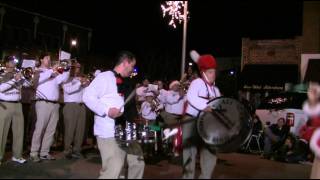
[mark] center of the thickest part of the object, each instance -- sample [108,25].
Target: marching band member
[162,95]
[201,90]
[141,91]
[104,97]
[148,109]
[175,99]
[11,110]
[74,113]
[47,108]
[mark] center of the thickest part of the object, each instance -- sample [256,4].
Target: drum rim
[218,147]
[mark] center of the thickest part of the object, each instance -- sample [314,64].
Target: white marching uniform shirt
[147,112]
[100,96]
[198,95]
[73,91]
[162,98]
[48,86]
[11,90]
[141,92]
[174,103]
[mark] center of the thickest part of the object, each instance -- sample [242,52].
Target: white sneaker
[19,160]
[167,133]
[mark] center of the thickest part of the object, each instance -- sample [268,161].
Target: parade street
[229,166]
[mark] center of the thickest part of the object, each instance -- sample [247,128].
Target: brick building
[270,64]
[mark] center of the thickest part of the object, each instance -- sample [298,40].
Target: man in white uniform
[11,110]
[47,108]
[102,96]
[74,113]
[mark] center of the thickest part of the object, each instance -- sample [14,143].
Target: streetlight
[73,47]
[73,42]
[173,8]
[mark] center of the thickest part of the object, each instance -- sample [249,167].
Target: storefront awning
[261,77]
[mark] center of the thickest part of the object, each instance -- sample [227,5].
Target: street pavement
[234,165]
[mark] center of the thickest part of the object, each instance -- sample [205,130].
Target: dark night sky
[214,27]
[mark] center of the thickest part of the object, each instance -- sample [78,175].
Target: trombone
[27,73]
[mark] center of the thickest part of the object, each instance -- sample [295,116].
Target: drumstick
[182,122]
[131,95]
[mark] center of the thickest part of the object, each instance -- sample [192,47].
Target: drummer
[200,92]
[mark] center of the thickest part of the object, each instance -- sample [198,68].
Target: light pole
[2,13]
[173,8]
[184,39]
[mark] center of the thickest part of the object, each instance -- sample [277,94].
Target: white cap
[174,83]
[149,94]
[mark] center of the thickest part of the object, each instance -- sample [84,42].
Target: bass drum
[227,127]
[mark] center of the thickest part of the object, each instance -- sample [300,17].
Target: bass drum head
[227,127]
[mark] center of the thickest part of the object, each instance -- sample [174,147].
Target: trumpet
[63,66]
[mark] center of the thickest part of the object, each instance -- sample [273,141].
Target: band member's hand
[155,93]
[84,81]
[55,70]
[207,109]
[18,76]
[114,113]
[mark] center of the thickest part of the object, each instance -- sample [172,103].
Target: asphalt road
[233,165]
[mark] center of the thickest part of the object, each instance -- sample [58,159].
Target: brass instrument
[27,73]
[2,68]
[63,66]
[156,106]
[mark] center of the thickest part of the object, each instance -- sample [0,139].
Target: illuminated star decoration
[173,8]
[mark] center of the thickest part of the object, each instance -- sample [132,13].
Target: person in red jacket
[315,147]
[312,108]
